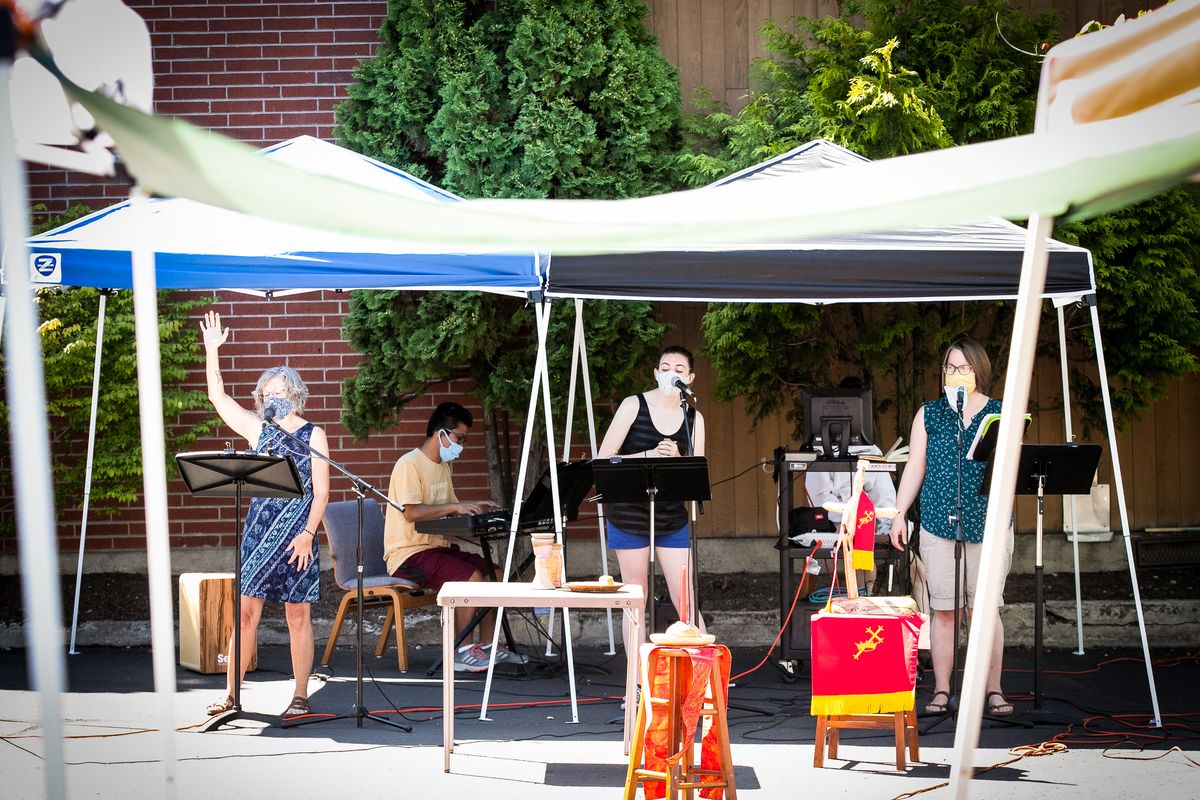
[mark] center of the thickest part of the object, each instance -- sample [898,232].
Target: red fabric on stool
[695,673]
[863,663]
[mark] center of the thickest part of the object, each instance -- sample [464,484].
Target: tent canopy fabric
[199,246]
[1082,171]
[957,262]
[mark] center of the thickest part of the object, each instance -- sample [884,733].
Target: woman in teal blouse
[933,469]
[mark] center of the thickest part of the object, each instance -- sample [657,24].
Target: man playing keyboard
[421,483]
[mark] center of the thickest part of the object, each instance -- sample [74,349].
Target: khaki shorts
[938,556]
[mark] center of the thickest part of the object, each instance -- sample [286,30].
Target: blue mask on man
[451,451]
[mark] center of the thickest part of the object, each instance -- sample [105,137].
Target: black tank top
[643,435]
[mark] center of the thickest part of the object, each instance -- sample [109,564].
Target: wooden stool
[904,723]
[682,772]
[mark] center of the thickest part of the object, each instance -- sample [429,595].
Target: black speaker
[805,519]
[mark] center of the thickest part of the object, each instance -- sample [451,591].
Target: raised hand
[211,331]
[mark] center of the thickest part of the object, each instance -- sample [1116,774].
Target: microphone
[269,414]
[956,397]
[961,397]
[683,388]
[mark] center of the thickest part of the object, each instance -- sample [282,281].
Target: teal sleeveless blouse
[940,488]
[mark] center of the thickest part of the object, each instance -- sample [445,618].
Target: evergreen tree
[968,72]
[518,98]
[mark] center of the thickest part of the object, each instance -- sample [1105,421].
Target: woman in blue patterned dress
[932,468]
[279,548]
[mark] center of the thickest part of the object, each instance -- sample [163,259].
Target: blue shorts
[623,540]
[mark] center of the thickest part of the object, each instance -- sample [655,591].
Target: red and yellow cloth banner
[864,533]
[695,674]
[863,663]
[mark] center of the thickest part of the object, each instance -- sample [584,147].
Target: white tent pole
[543,335]
[1070,437]
[87,473]
[986,614]
[154,482]
[30,437]
[522,472]
[1120,483]
[567,423]
[581,340]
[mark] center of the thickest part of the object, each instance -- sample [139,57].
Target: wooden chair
[379,588]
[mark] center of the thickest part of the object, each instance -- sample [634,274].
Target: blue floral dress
[271,525]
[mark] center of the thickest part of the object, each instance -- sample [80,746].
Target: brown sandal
[220,706]
[1003,708]
[297,708]
[934,707]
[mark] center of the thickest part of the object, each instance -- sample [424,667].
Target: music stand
[230,473]
[1055,469]
[635,480]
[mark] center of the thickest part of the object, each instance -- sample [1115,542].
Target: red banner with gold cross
[864,533]
[863,663]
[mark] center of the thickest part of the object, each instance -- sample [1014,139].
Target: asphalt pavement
[1097,704]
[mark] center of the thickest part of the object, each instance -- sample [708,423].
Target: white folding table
[491,594]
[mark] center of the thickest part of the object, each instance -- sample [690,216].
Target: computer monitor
[838,418]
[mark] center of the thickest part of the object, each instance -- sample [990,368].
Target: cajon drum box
[206,621]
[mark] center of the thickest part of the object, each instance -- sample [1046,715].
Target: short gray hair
[297,392]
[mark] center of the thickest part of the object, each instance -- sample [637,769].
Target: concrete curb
[1169,623]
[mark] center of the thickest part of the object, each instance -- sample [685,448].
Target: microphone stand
[959,547]
[693,576]
[361,488]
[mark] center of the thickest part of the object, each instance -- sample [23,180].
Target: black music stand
[229,473]
[1055,469]
[669,479]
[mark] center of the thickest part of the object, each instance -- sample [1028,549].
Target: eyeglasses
[461,438]
[276,393]
[950,369]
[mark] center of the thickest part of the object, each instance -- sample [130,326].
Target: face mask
[281,406]
[666,381]
[966,381]
[451,451]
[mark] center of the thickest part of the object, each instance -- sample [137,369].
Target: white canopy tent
[1079,171]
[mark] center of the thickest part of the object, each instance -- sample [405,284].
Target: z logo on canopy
[45,267]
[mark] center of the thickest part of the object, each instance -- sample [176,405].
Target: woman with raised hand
[279,546]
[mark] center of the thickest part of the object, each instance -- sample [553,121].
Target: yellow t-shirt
[415,481]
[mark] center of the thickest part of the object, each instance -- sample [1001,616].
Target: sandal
[934,707]
[297,708]
[220,706]
[1001,709]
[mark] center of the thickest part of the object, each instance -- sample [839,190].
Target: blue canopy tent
[198,246]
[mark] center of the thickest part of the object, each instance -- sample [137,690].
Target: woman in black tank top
[652,425]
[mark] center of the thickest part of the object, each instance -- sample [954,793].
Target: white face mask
[666,381]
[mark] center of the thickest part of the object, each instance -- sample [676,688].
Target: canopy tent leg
[87,472]
[154,482]
[1017,380]
[1070,437]
[579,364]
[1120,483]
[30,437]
[541,383]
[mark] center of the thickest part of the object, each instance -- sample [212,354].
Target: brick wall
[302,332]
[260,72]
